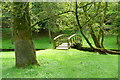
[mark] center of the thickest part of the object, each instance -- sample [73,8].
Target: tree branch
[86,5]
[50,17]
[39,22]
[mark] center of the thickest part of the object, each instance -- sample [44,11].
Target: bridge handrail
[57,39]
[72,36]
[58,36]
[70,39]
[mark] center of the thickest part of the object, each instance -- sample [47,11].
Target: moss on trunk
[24,47]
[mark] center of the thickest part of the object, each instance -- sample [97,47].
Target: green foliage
[61,16]
[63,64]
[113,18]
[66,21]
[40,11]
[6,11]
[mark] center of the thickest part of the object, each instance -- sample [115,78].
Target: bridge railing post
[54,44]
[58,40]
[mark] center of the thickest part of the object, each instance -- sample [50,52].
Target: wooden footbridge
[64,41]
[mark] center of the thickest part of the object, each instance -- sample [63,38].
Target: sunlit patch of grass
[70,63]
[7,44]
[43,43]
[110,42]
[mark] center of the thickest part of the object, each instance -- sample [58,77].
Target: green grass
[109,42]
[42,43]
[70,63]
[7,44]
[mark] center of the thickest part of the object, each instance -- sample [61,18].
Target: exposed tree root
[101,51]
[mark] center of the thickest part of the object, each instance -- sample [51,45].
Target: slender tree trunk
[102,40]
[80,27]
[93,35]
[24,49]
[50,37]
[96,41]
[101,51]
[99,35]
[102,22]
[49,33]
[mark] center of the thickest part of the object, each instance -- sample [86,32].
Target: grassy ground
[63,64]
[60,63]
[109,42]
[42,42]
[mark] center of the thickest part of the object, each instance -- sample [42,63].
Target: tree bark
[99,35]
[98,50]
[80,27]
[96,41]
[24,48]
[92,33]
[101,24]
[50,36]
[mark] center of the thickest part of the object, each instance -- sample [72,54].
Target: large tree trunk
[24,48]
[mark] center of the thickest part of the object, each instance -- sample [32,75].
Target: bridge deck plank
[63,46]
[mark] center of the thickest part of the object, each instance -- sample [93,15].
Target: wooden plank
[63,46]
